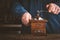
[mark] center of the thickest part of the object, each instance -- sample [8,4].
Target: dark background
[6,16]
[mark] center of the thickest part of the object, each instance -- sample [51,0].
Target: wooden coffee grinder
[38,25]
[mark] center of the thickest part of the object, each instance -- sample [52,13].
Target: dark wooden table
[16,36]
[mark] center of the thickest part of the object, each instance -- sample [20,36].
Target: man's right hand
[53,8]
[26,17]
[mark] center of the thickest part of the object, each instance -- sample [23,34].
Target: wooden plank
[10,25]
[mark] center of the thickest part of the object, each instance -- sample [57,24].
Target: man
[53,14]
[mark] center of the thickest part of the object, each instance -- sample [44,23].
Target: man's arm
[24,14]
[17,8]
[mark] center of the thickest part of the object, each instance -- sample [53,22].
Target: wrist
[26,13]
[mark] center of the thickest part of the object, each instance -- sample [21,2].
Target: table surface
[14,35]
[10,36]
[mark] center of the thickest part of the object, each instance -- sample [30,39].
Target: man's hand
[53,8]
[25,18]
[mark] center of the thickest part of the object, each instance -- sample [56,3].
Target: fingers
[25,18]
[53,8]
[58,11]
[50,8]
[47,6]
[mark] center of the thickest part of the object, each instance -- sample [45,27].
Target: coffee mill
[38,25]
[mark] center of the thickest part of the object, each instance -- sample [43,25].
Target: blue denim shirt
[53,24]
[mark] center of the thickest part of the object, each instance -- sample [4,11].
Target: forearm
[18,9]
